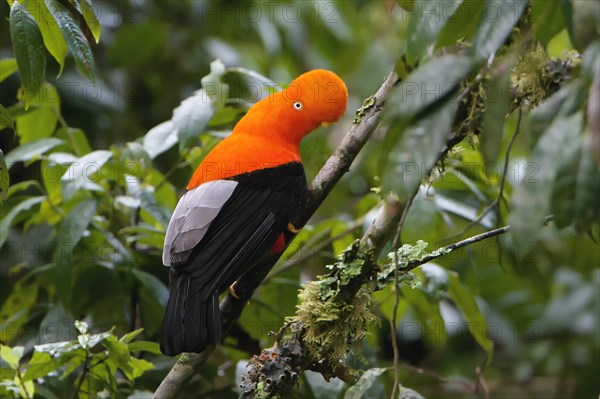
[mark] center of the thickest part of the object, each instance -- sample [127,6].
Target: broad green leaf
[366,380]
[75,39]
[4,179]
[547,19]
[160,138]
[80,174]
[29,50]
[464,299]
[497,104]
[138,366]
[563,190]
[16,309]
[91,19]
[8,66]
[497,24]
[427,20]
[152,285]
[575,191]
[69,234]
[191,117]
[40,365]
[8,217]
[77,139]
[429,84]
[319,387]
[53,39]
[30,151]
[418,150]
[586,22]
[145,346]
[146,195]
[5,119]
[12,356]
[408,393]
[130,336]
[461,24]
[568,100]
[40,121]
[530,202]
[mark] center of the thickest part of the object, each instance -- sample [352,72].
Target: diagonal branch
[335,167]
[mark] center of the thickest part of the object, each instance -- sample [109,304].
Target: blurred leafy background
[95,172]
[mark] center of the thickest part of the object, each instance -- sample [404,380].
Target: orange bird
[239,205]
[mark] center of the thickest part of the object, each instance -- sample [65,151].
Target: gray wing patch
[192,217]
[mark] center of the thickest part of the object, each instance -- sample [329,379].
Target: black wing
[248,224]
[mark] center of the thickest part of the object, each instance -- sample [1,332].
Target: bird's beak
[326,124]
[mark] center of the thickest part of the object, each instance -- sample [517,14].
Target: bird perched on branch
[239,206]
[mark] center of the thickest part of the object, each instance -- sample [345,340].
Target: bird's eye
[298,105]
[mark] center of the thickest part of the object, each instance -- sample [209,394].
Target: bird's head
[315,98]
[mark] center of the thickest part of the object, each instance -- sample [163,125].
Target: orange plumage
[270,133]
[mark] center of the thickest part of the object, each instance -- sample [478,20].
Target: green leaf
[496,25]
[565,102]
[408,393]
[53,39]
[147,197]
[575,190]
[366,380]
[8,217]
[29,50]
[145,346]
[69,234]
[12,356]
[77,139]
[429,84]
[418,150]
[464,299]
[40,121]
[8,66]
[497,104]
[30,151]
[40,365]
[160,138]
[547,19]
[461,24]
[16,309]
[4,179]
[191,117]
[425,23]
[130,336]
[5,119]
[138,366]
[153,286]
[80,174]
[91,19]
[530,202]
[78,44]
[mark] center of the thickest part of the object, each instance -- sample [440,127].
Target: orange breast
[243,153]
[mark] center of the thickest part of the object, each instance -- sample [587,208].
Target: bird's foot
[232,292]
[293,229]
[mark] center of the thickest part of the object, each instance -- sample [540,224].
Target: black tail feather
[189,324]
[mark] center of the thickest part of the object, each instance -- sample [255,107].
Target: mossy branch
[335,167]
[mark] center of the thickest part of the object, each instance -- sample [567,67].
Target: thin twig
[439,378]
[82,376]
[495,204]
[395,245]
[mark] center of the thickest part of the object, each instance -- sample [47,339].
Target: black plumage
[248,224]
